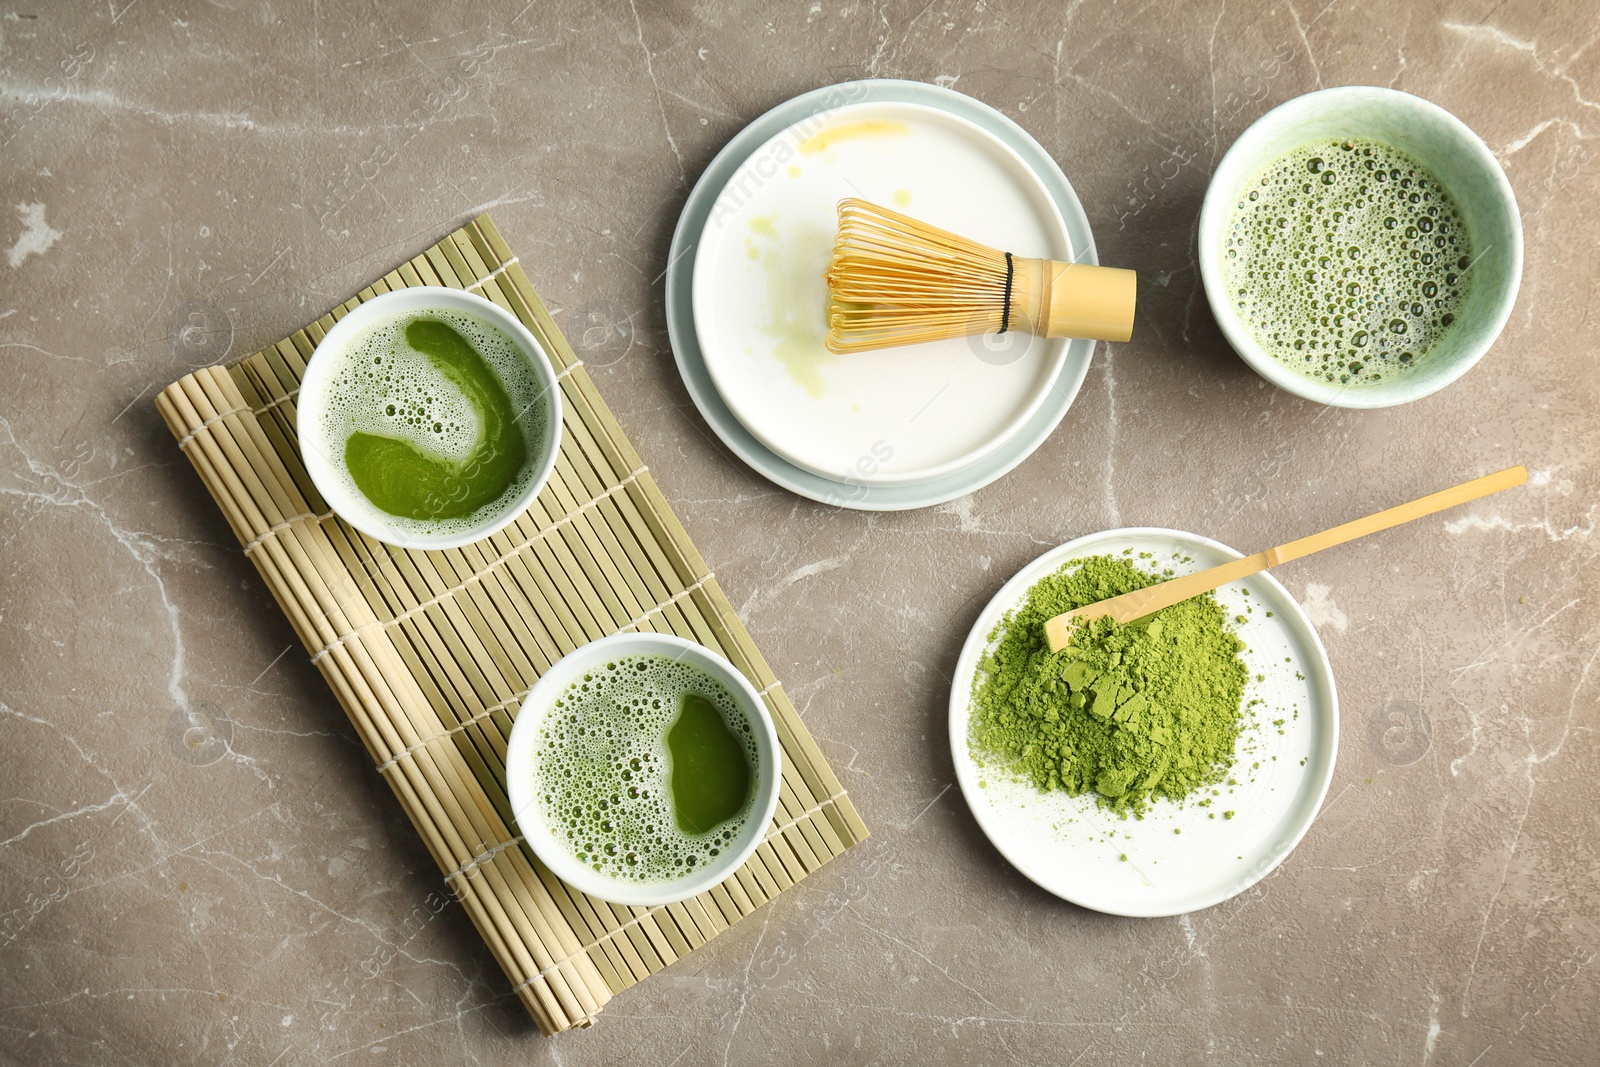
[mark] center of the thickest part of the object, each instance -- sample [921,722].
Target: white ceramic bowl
[522,759]
[1443,144]
[321,461]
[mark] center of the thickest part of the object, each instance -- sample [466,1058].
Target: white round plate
[898,416]
[851,490]
[1073,849]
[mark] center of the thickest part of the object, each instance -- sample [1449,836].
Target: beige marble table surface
[198,863]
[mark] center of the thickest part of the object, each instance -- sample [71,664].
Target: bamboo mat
[431,653]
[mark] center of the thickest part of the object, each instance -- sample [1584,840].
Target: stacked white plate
[899,428]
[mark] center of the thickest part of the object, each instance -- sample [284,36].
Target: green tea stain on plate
[710,772]
[825,139]
[404,480]
[795,313]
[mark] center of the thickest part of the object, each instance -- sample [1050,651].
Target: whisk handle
[1060,299]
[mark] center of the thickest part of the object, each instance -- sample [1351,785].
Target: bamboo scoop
[1141,602]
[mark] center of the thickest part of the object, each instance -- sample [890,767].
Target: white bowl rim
[363,515]
[1214,215]
[520,752]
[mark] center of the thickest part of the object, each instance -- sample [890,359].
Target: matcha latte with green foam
[647,769]
[643,768]
[436,418]
[1347,260]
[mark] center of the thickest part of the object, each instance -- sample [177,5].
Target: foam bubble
[1346,260]
[603,779]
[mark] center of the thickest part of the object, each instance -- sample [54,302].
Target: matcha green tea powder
[1130,712]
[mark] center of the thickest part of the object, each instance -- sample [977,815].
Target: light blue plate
[686,346]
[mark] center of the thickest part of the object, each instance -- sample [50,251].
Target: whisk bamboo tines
[894,280]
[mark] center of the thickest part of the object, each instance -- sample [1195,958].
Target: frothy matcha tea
[433,418]
[646,769]
[1347,260]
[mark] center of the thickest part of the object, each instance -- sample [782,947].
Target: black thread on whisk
[1005,314]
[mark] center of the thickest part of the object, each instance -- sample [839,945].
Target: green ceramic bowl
[1443,144]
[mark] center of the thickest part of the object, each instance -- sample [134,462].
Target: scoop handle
[1141,602]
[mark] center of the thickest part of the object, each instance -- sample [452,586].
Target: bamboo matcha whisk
[896,281]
